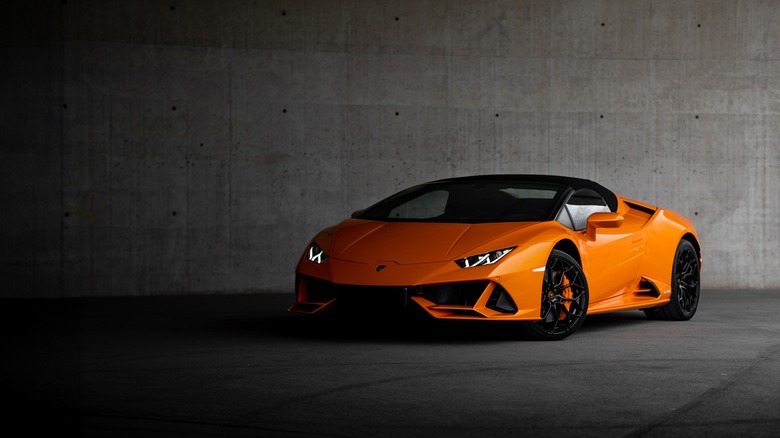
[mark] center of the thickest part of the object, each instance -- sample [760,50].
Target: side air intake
[647,289]
[500,301]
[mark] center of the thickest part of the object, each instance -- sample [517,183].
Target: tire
[686,275]
[564,300]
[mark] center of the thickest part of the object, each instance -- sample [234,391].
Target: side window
[564,218]
[425,206]
[580,205]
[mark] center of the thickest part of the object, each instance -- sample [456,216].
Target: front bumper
[510,290]
[472,300]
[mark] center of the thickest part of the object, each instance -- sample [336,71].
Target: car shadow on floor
[409,327]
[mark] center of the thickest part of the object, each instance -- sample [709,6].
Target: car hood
[414,242]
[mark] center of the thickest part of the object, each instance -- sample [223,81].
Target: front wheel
[564,298]
[686,276]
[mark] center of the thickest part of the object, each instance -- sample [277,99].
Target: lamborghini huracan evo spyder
[546,250]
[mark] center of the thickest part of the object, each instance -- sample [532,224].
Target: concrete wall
[172,147]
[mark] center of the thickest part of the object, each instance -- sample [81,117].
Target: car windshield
[469,202]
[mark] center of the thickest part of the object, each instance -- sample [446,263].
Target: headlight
[316,254]
[487,258]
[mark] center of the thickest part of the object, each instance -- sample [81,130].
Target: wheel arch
[570,248]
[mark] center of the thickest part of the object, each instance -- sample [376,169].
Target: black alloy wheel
[564,298]
[686,283]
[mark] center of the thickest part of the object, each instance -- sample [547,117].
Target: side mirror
[356,213]
[602,220]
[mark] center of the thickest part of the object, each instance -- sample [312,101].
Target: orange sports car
[545,250]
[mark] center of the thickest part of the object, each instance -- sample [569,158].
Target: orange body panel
[626,256]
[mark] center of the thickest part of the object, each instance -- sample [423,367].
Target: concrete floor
[242,366]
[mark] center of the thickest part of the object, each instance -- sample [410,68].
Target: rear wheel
[686,276]
[564,298]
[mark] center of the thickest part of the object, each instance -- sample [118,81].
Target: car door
[611,257]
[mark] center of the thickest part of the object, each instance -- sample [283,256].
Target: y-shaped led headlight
[316,254]
[487,258]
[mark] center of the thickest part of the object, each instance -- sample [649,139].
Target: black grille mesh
[459,294]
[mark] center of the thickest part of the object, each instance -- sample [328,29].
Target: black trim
[641,208]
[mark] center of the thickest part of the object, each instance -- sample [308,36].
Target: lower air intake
[458,294]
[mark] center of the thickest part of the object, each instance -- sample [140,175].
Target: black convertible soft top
[574,183]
